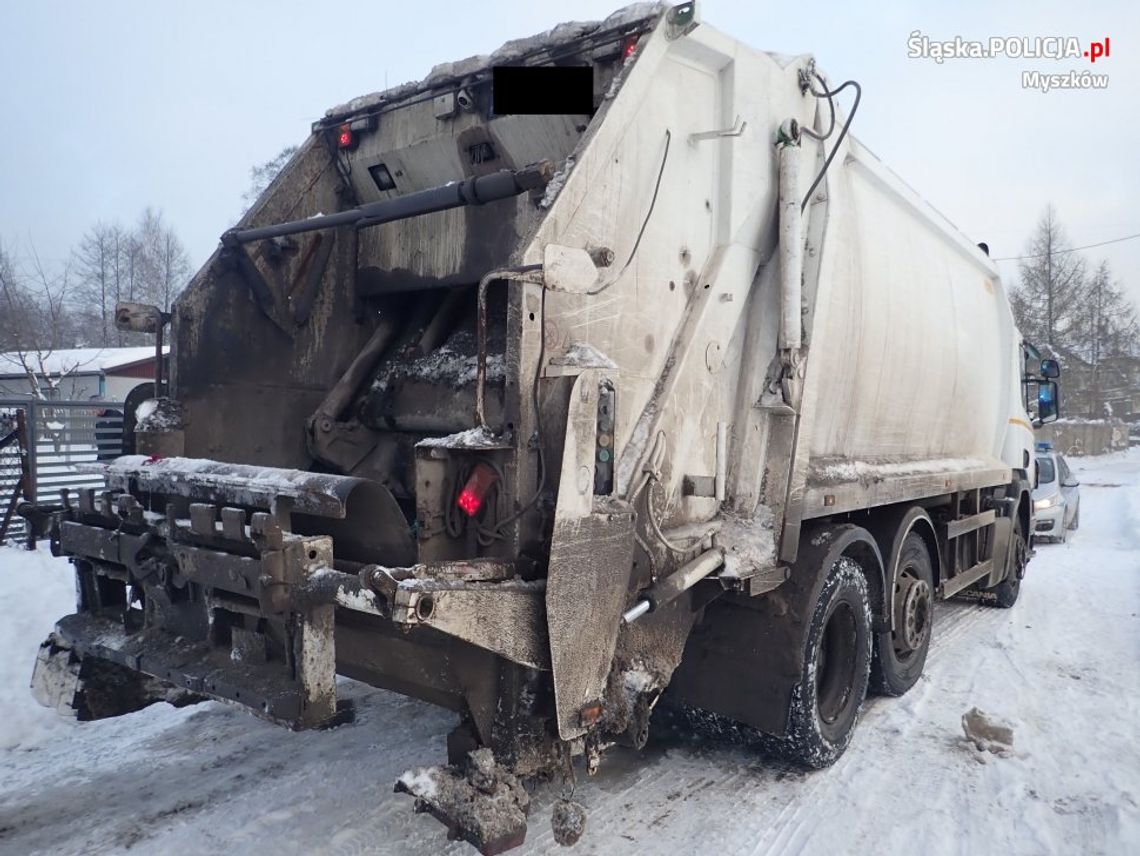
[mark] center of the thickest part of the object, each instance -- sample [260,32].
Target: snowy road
[1063,667]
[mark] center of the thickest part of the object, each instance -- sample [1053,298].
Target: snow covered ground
[1063,667]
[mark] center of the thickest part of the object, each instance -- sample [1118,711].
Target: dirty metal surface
[591,556]
[267,689]
[506,618]
[313,493]
[479,801]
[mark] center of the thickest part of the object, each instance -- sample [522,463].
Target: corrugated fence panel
[62,437]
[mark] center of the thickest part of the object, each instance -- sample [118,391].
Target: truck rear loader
[549,413]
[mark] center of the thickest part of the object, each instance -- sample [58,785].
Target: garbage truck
[603,373]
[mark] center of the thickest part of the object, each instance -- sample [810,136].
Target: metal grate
[62,436]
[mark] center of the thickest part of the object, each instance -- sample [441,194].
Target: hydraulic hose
[842,133]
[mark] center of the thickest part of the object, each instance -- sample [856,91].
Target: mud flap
[479,801]
[745,658]
[591,556]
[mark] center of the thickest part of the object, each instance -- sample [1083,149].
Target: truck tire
[826,702]
[900,654]
[1007,590]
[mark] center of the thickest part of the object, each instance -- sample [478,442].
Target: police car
[1057,498]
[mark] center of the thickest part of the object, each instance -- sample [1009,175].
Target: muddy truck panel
[555,419]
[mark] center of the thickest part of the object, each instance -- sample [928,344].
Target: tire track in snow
[952,620]
[780,814]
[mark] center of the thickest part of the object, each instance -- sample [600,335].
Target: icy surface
[1061,668]
[479,437]
[554,186]
[453,364]
[421,782]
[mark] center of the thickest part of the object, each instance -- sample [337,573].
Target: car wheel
[1075,525]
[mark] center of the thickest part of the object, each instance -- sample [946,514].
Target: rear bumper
[224,601]
[170,668]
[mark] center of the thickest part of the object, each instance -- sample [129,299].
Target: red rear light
[628,47]
[481,480]
[344,137]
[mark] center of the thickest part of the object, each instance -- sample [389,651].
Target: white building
[77,374]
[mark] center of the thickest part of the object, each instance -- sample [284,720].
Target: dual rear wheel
[900,653]
[844,656]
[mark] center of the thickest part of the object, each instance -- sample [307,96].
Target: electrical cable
[455,522]
[842,133]
[1070,250]
[483,534]
[656,527]
[644,223]
[650,475]
[537,418]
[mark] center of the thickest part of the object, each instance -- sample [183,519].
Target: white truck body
[549,416]
[912,379]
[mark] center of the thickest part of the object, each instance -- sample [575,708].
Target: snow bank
[35,590]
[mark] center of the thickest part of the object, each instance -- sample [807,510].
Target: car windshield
[1046,472]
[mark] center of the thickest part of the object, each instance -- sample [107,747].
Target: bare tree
[162,267]
[36,323]
[17,308]
[261,176]
[99,268]
[1108,329]
[1048,299]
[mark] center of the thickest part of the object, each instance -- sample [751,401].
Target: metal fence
[62,436]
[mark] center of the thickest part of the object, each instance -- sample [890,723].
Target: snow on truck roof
[518,50]
[76,360]
[513,51]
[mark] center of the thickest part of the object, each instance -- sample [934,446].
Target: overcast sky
[107,107]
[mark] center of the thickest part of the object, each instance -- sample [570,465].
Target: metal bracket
[505,617]
[735,131]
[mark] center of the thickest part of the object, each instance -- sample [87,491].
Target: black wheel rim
[1019,558]
[835,663]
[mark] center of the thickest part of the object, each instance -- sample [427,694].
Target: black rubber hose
[839,140]
[808,132]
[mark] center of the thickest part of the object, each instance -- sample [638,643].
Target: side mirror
[568,269]
[1048,402]
[139,317]
[1071,483]
[1050,368]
